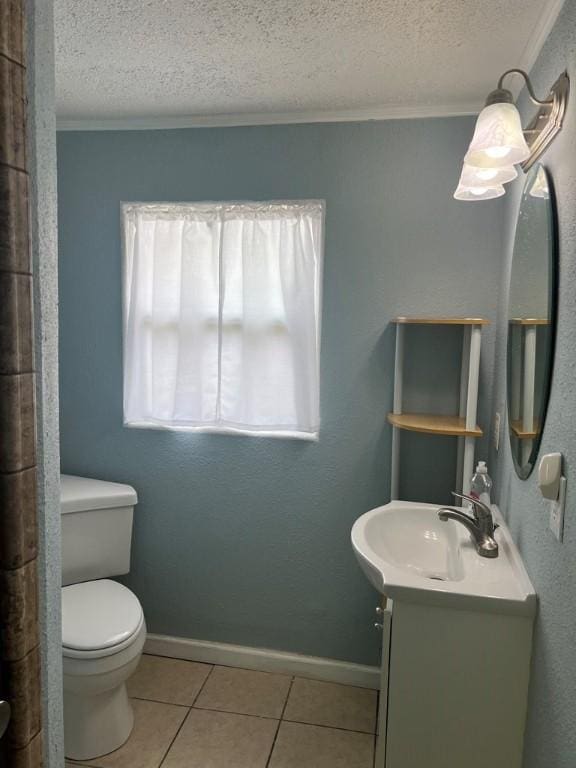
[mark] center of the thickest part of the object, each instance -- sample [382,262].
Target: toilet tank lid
[80,494]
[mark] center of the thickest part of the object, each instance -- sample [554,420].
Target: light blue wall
[246,540]
[551,732]
[41,119]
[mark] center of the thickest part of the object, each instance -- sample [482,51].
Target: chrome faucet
[480,525]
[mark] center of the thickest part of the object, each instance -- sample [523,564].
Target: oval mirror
[531,318]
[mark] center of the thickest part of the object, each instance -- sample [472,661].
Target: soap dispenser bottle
[481,484]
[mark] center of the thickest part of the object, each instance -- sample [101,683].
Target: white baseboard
[264,660]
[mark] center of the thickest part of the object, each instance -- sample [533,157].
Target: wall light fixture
[499,142]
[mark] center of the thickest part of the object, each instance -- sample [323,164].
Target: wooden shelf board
[433,425]
[440,321]
[521,434]
[529,321]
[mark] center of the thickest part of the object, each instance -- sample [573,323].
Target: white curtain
[222,316]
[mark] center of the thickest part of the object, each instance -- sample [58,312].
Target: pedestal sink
[456,640]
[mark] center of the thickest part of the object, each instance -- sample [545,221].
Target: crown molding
[265,118]
[536,41]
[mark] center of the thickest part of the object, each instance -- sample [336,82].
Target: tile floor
[191,715]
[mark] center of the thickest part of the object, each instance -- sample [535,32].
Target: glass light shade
[486,177]
[540,186]
[498,140]
[478,193]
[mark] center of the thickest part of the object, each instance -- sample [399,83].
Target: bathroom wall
[550,736]
[247,540]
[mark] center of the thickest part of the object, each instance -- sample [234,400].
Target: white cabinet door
[385,619]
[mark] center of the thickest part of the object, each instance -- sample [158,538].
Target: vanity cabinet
[454,687]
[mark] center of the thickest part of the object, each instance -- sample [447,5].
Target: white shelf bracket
[471,404]
[398,391]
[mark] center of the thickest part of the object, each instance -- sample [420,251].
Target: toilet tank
[96,528]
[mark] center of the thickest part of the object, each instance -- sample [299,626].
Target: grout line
[280,722]
[330,727]
[184,720]
[169,747]
[203,685]
[161,701]
[273,743]
[251,669]
[287,697]
[251,714]
[313,678]
[234,712]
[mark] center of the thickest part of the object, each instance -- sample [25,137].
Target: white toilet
[103,627]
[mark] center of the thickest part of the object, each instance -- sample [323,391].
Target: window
[222,316]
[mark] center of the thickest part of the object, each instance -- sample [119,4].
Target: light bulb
[478,193]
[486,174]
[497,151]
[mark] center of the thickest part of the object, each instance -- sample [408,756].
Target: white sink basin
[407,553]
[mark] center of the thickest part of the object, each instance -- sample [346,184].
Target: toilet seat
[99,618]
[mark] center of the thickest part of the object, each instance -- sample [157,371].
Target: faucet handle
[482,513]
[476,503]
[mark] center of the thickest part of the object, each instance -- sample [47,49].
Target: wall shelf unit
[433,425]
[403,320]
[524,334]
[463,425]
[524,434]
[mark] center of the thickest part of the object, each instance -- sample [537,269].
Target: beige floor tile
[310,746]
[222,740]
[338,706]
[244,692]
[172,681]
[155,726]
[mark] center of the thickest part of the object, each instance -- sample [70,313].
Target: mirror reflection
[531,311]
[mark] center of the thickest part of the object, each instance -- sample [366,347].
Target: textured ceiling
[126,59]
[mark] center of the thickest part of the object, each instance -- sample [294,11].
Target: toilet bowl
[103,634]
[103,626]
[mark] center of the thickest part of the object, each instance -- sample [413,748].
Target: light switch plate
[557,511]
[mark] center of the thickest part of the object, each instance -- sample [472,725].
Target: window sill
[227,428]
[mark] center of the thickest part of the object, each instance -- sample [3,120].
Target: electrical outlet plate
[557,511]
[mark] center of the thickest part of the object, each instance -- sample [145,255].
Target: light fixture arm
[529,86]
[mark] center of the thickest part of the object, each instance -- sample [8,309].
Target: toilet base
[96,724]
